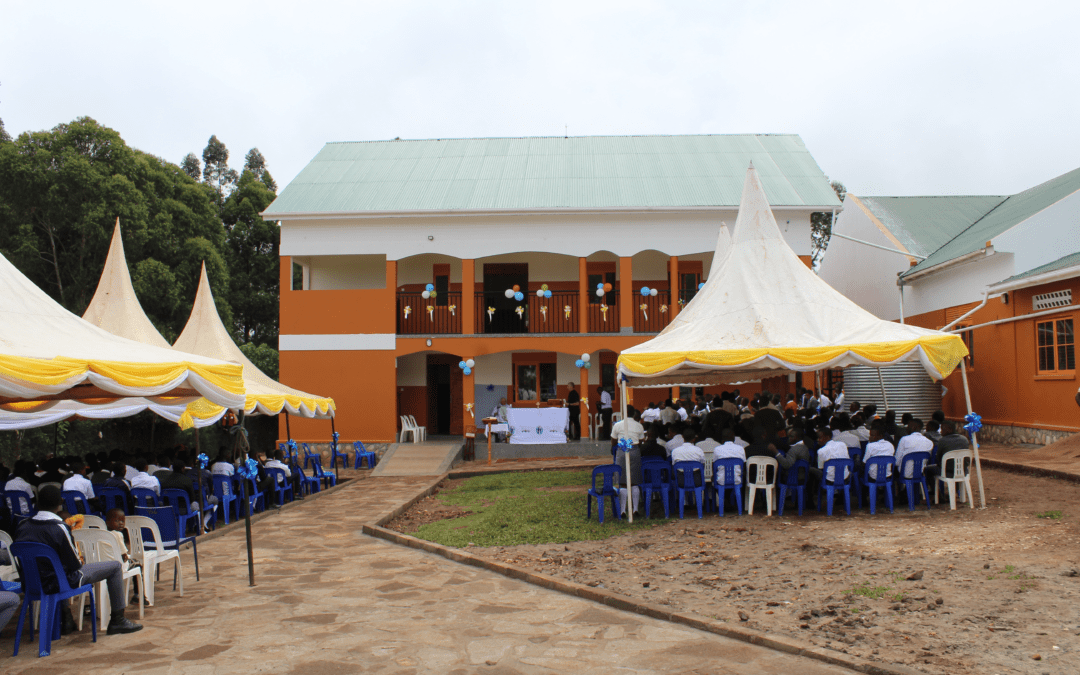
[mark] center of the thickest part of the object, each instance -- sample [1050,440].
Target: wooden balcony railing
[652,314]
[444,316]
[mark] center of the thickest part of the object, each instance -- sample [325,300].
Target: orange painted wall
[413,401]
[1005,386]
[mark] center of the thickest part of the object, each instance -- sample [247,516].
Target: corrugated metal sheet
[1061,263]
[542,173]
[925,224]
[908,387]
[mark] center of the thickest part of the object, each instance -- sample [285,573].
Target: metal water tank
[907,386]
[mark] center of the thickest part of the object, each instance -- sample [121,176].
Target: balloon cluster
[602,289]
[543,292]
[466,366]
[514,293]
[625,444]
[429,292]
[249,469]
[973,423]
[584,361]
[646,291]
[203,460]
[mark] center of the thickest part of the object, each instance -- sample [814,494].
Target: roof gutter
[1056,310]
[986,296]
[1036,280]
[883,248]
[336,215]
[986,251]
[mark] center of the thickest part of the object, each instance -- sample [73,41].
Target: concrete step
[418,459]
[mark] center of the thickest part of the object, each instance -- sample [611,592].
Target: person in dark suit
[573,406]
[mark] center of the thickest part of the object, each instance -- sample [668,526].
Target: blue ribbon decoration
[249,469]
[973,423]
[203,460]
[625,444]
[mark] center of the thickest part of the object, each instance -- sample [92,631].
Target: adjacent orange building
[402,259]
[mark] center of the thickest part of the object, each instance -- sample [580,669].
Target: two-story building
[514,237]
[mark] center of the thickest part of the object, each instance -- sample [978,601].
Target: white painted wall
[494,369]
[865,275]
[956,285]
[652,265]
[542,266]
[412,370]
[417,269]
[1051,234]
[343,272]
[574,234]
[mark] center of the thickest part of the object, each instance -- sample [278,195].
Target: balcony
[428,316]
[495,314]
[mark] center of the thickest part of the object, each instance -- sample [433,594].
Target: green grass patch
[867,591]
[518,508]
[1052,515]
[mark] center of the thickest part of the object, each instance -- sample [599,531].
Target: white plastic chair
[416,427]
[5,538]
[761,482]
[100,546]
[152,557]
[406,428]
[959,477]
[94,522]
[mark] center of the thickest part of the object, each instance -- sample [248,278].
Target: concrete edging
[777,642]
[1029,470]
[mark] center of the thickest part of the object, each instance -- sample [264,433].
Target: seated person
[830,449]
[20,482]
[674,438]
[688,452]
[48,528]
[950,439]
[933,430]
[651,447]
[119,470]
[143,479]
[278,463]
[78,482]
[636,477]
[913,441]
[630,427]
[116,522]
[222,466]
[9,602]
[728,449]
[878,446]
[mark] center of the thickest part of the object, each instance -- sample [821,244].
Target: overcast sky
[890,98]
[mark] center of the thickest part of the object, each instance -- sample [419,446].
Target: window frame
[1054,348]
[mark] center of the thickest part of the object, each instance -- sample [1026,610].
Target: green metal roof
[1008,213]
[925,224]
[1072,260]
[592,172]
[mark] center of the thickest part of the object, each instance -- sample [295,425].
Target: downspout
[900,285]
[986,295]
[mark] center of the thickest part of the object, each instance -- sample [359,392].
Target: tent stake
[626,455]
[974,436]
[884,396]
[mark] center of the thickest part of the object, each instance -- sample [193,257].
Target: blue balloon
[468,371]
[461,364]
[547,294]
[644,290]
[431,287]
[579,363]
[600,285]
[700,286]
[519,296]
[588,364]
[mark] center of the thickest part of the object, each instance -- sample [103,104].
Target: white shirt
[708,445]
[840,400]
[687,452]
[909,444]
[19,484]
[675,442]
[631,429]
[824,401]
[729,450]
[605,400]
[847,438]
[80,483]
[832,450]
[145,480]
[863,434]
[741,443]
[650,415]
[222,469]
[881,448]
[130,472]
[274,464]
[682,414]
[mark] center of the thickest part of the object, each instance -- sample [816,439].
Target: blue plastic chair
[75,502]
[284,448]
[719,490]
[211,514]
[791,482]
[840,482]
[362,453]
[227,499]
[308,484]
[176,498]
[916,460]
[335,454]
[308,454]
[112,498]
[144,497]
[256,499]
[172,536]
[686,475]
[282,486]
[656,481]
[877,477]
[609,488]
[328,479]
[32,558]
[18,503]
[855,455]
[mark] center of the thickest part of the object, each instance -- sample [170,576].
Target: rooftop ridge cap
[959,234]
[509,138]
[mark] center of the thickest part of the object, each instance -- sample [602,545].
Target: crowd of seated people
[808,426]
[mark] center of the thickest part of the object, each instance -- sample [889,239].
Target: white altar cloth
[534,426]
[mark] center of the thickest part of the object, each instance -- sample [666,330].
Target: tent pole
[333,450]
[974,436]
[288,432]
[203,503]
[884,396]
[629,486]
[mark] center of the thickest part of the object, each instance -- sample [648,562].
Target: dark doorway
[439,390]
[497,278]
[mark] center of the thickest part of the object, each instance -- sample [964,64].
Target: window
[442,290]
[968,337]
[1056,346]
[527,381]
[601,278]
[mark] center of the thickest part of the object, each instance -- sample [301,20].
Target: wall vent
[1052,300]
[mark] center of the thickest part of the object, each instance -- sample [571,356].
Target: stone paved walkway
[331,601]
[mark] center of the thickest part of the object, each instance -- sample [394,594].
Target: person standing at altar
[573,405]
[605,414]
[501,412]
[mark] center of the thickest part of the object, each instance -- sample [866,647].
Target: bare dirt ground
[970,591]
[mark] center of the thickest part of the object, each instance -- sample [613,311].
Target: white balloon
[425,295]
[586,358]
[599,292]
[509,293]
[652,292]
[539,292]
[470,363]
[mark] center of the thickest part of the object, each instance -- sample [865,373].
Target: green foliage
[867,591]
[263,356]
[191,166]
[512,509]
[1052,515]
[216,171]
[252,256]
[5,137]
[821,227]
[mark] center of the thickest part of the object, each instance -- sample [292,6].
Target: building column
[285,274]
[626,294]
[468,398]
[391,277]
[583,296]
[586,413]
[673,273]
[468,298]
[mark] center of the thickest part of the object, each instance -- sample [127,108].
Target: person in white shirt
[650,414]
[729,449]
[605,413]
[144,480]
[840,400]
[675,439]
[129,472]
[19,482]
[913,442]
[630,428]
[830,449]
[879,447]
[823,400]
[708,443]
[688,452]
[683,415]
[861,429]
[78,482]
[222,466]
[841,431]
[668,415]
